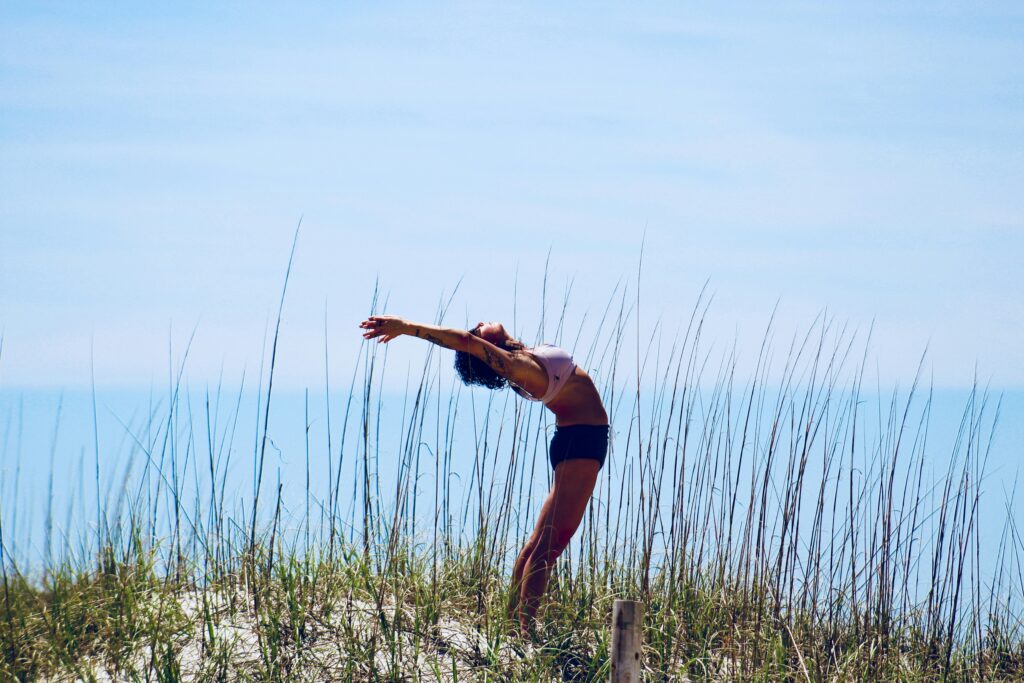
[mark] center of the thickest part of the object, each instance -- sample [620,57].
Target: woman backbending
[488,356]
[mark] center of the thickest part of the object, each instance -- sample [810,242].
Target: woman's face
[492,332]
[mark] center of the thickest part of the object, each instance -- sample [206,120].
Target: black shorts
[579,441]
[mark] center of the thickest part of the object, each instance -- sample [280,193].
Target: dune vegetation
[777,526]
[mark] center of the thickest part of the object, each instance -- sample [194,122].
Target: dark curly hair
[472,370]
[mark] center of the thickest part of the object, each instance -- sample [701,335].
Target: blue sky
[863,158]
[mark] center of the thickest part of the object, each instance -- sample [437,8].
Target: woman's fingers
[375,327]
[379,335]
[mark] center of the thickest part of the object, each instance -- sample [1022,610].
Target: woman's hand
[383,327]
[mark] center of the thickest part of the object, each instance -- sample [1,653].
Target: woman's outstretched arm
[516,367]
[386,327]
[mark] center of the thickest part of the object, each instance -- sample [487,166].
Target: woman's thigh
[566,504]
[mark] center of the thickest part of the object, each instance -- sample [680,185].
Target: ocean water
[68,461]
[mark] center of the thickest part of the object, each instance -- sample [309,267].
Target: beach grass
[773,525]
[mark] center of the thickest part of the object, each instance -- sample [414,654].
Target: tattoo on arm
[494,360]
[433,339]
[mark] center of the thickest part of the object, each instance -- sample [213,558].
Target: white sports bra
[559,366]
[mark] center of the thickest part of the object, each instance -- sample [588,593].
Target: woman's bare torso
[578,402]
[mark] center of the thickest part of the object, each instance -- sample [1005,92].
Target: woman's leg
[517,575]
[560,516]
[524,557]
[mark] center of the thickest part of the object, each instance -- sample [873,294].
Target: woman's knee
[551,548]
[529,547]
[542,559]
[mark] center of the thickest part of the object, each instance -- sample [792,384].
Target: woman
[488,356]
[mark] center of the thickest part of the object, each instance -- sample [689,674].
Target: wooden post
[627,640]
